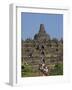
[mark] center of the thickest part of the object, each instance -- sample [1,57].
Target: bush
[26,70]
[58,70]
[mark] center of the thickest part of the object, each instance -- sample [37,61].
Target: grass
[58,70]
[29,71]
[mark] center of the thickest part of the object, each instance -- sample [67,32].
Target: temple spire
[42,29]
[42,35]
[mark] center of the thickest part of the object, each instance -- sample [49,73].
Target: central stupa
[42,29]
[42,35]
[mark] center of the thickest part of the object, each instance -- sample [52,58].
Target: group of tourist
[43,67]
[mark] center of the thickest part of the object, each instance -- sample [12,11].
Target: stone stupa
[42,35]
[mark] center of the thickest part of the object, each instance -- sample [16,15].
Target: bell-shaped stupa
[42,35]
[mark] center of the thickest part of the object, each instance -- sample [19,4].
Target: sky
[30,24]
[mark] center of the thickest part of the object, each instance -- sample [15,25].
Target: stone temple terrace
[42,55]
